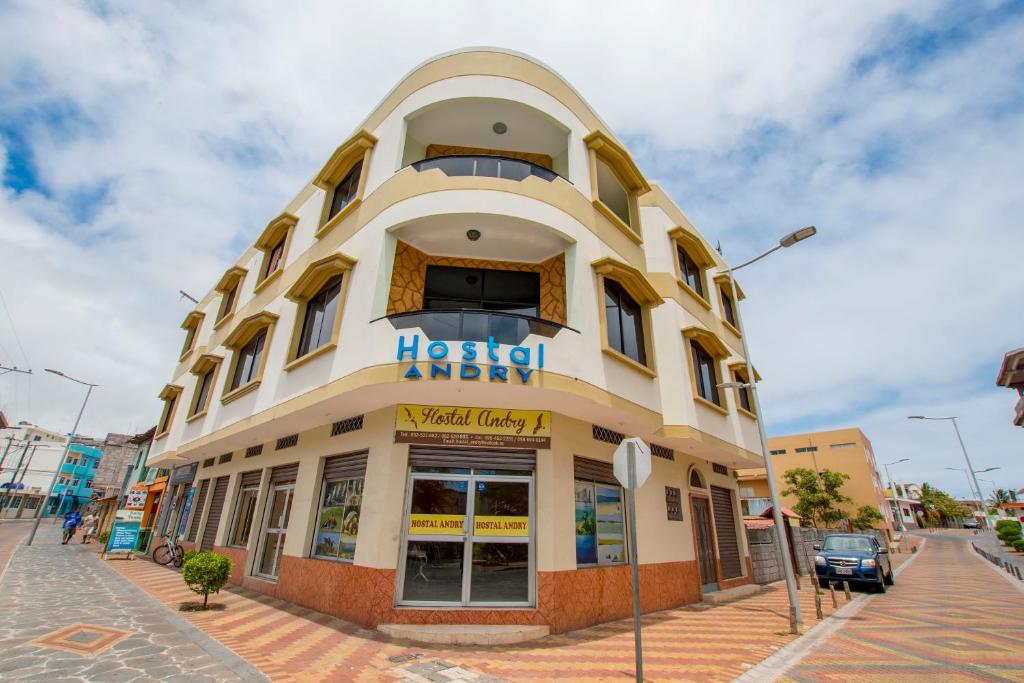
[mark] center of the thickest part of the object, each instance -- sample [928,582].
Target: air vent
[720,469]
[351,424]
[662,452]
[226,458]
[287,442]
[608,435]
[253,451]
[208,462]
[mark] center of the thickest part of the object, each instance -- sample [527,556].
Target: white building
[29,457]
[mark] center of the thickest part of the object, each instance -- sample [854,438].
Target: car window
[849,543]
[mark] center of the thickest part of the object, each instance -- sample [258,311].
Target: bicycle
[170,551]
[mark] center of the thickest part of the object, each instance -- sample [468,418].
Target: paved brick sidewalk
[949,618]
[290,643]
[66,617]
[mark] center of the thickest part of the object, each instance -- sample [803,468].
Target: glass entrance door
[469,539]
[275,529]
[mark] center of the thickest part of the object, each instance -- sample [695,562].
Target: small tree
[867,517]
[817,494]
[206,573]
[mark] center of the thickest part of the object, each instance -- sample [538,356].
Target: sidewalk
[987,541]
[291,643]
[66,616]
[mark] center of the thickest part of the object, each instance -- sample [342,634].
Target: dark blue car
[857,558]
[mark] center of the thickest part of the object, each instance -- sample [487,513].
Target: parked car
[971,524]
[857,558]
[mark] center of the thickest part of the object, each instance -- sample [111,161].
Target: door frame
[261,540]
[714,538]
[467,539]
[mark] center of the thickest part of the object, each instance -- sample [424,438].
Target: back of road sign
[620,461]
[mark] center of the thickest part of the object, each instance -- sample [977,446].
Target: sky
[138,137]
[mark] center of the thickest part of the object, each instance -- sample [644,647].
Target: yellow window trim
[700,400]
[231,279]
[717,350]
[739,371]
[340,216]
[316,353]
[239,337]
[166,394]
[626,360]
[265,282]
[247,329]
[616,156]
[283,226]
[722,280]
[729,326]
[635,282]
[708,339]
[348,154]
[241,391]
[193,321]
[743,411]
[317,274]
[694,246]
[741,367]
[614,219]
[704,303]
[305,287]
[205,363]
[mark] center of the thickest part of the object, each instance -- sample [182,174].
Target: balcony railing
[489,166]
[475,325]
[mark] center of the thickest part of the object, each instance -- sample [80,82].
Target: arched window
[696,481]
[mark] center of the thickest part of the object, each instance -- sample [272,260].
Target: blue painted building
[74,484]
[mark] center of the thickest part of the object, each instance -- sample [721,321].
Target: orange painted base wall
[566,600]
[238,558]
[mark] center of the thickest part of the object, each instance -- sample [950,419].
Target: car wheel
[880,586]
[889,579]
[823,583]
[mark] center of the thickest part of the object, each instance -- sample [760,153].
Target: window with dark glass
[345,191]
[242,522]
[727,310]
[190,336]
[248,365]
[625,322]
[706,376]
[165,424]
[203,393]
[274,257]
[228,302]
[743,394]
[690,271]
[318,322]
[449,287]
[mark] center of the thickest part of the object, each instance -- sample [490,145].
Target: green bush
[206,572]
[1008,537]
[1018,545]
[189,554]
[1007,524]
[103,537]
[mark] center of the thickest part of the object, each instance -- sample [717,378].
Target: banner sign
[476,362]
[184,513]
[454,426]
[123,537]
[136,497]
[128,515]
[453,525]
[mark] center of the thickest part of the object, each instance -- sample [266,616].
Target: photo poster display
[339,519]
[611,535]
[586,539]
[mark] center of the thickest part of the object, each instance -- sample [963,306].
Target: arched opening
[696,480]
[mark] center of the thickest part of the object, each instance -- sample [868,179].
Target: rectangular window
[743,393]
[690,271]
[242,523]
[338,519]
[228,301]
[727,310]
[274,257]
[203,393]
[168,414]
[190,337]
[247,367]
[624,318]
[600,524]
[839,446]
[318,322]
[345,191]
[449,287]
[611,192]
[807,449]
[706,375]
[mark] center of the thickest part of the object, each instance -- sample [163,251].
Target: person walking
[89,526]
[72,520]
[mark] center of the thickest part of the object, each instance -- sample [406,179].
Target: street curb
[1016,583]
[17,546]
[786,658]
[231,659]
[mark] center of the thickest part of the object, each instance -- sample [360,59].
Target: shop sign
[128,515]
[492,366]
[123,537]
[454,525]
[184,474]
[136,497]
[455,426]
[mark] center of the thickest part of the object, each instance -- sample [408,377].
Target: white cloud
[192,126]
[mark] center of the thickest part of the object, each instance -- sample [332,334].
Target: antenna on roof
[718,248]
[186,295]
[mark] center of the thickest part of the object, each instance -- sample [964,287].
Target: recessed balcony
[485,165]
[475,325]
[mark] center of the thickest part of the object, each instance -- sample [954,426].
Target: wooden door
[725,533]
[705,545]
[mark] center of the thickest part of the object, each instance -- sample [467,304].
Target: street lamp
[987,469]
[892,485]
[974,479]
[64,457]
[795,619]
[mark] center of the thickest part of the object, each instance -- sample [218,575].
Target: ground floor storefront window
[600,521]
[469,532]
[341,499]
[245,509]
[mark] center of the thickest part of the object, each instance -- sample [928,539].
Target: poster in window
[586,539]
[611,543]
[350,520]
[328,539]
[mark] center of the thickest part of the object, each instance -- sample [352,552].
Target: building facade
[1011,376]
[29,458]
[118,455]
[401,403]
[75,483]
[842,450]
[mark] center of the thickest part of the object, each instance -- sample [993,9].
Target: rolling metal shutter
[725,532]
[284,473]
[487,460]
[593,470]
[252,478]
[349,466]
[197,510]
[220,492]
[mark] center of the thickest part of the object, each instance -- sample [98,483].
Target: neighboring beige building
[1011,375]
[841,450]
[400,403]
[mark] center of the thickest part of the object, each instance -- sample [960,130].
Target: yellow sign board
[436,525]
[501,526]
[456,426]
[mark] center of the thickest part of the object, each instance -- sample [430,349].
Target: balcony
[485,165]
[78,468]
[475,325]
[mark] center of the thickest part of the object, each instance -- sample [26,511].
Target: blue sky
[132,137]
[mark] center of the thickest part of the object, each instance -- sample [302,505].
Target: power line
[14,330]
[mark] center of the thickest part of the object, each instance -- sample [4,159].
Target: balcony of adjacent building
[461,277]
[76,467]
[487,138]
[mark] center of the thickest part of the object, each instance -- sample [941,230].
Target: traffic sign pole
[631,518]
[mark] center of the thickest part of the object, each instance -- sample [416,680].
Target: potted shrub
[206,573]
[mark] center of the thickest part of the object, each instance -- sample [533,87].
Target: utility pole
[3,499]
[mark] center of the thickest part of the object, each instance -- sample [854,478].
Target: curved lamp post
[967,459]
[782,545]
[64,457]
[892,485]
